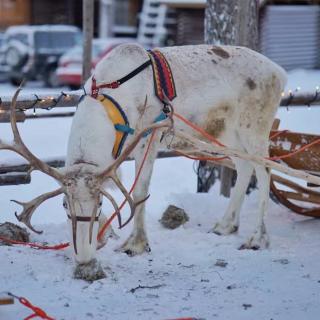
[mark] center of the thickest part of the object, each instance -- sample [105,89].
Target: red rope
[278,133]
[290,154]
[37,312]
[212,139]
[108,222]
[36,245]
[200,130]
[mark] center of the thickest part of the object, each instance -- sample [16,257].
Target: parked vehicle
[69,71]
[4,69]
[32,52]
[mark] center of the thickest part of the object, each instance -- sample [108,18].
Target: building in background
[15,12]
[289,29]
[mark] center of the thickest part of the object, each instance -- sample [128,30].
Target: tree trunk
[230,22]
[106,17]
[88,10]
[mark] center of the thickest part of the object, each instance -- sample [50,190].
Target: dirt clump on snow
[13,232]
[173,217]
[90,271]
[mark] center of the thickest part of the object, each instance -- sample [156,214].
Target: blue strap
[126,129]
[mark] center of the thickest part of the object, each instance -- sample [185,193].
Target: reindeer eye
[65,205]
[100,203]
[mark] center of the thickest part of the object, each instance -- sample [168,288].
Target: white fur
[235,84]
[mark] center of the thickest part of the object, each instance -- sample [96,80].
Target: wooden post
[232,22]
[87,22]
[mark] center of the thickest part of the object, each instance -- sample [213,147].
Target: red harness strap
[115,84]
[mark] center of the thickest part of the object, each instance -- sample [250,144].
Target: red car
[69,71]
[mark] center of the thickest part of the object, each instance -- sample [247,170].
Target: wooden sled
[297,197]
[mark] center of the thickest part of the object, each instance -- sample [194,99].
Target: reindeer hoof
[221,229]
[90,271]
[256,242]
[134,246]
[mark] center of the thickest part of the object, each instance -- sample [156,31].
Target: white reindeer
[231,92]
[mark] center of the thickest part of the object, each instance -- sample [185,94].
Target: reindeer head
[82,187]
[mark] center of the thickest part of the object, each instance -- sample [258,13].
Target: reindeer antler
[31,206]
[19,147]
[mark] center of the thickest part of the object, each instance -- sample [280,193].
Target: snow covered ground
[184,267]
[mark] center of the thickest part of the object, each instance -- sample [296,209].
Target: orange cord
[38,312]
[200,130]
[278,133]
[290,154]
[209,137]
[35,245]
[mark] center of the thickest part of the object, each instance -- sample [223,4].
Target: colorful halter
[164,89]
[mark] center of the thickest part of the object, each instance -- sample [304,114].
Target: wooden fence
[18,174]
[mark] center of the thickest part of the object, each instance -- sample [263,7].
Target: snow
[183,275]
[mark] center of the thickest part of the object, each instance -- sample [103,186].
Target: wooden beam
[5,299]
[43,101]
[14,178]
[5,116]
[71,99]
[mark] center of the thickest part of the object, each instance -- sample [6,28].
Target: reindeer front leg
[137,243]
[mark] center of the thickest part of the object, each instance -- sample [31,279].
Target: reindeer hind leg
[230,221]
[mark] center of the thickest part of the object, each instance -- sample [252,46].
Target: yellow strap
[116,117]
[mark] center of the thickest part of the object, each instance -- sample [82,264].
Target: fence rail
[18,174]
[71,99]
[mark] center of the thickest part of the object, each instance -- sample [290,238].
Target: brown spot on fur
[220,52]
[248,125]
[215,126]
[179,144]
[215,120]
[251,84]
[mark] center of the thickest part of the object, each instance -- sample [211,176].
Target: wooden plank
[5,116]
[14,179]
[5,300]
[303,197]
[42,101]
[289,141]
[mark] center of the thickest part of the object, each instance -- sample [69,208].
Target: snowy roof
[47,27]
[194,3]
[185,3]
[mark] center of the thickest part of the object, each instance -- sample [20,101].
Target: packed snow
[190,272]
